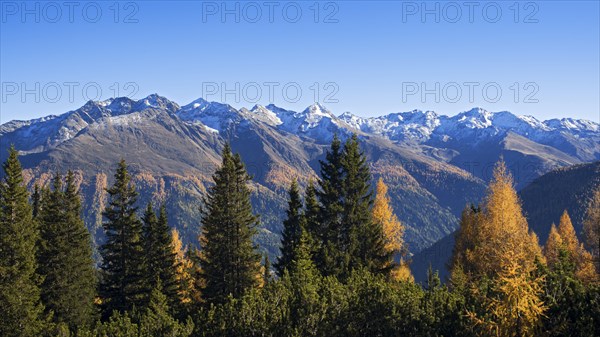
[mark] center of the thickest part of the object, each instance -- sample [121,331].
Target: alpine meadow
[291,168]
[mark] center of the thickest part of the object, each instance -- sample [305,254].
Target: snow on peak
[216,116]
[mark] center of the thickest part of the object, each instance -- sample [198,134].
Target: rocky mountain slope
[433,165]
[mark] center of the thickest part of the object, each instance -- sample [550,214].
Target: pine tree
[392,230]
[363,239]
[65,257]
[20,307]
[330,258]
[229,261]
[161,263]
[292,228]
[122,283]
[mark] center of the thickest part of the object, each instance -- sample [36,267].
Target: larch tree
[293,226]
[230,264]
[183,269]
[65,257]
[553,246]
[393,231]
[502,228]
[20,308]
[122,282]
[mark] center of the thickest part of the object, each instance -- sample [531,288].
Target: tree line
[342,270]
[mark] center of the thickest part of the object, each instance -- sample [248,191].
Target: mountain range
[433,164]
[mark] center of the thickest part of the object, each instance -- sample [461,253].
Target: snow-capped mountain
[577,138]
[433,164]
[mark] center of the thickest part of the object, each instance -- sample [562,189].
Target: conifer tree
[363,239]
[229,261]
[267,270]
[501,227]
[20,307]
[392,229]
[161,263]
[553,246]
[330,258]
[65,257]
[311,215]
[184,269]
[122,284]
[292,228]
[36,199]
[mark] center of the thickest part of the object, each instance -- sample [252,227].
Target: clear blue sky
[377,55]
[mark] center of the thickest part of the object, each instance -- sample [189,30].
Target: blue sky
[370,58]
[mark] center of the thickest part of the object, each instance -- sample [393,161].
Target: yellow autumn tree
[515,308]
[392,229]
[591,227]
[497,245]
[565,238]
[502,228]
[553,246]
[183,270]
[465,239]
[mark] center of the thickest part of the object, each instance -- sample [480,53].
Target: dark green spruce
[230,263]
[65,256]
[293,226]
[20,307]
[362,237]
[160,257]
[330,258]
[122,283]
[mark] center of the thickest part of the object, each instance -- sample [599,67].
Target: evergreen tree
[311,215]
[267,270]
[161,261]
[122,283]
[20,306]
[330,258]
[363,239]
[292,229]
[65,257]
[36,199]
[184,270]
[229,261]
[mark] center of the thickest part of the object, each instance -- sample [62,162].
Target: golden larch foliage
[183,270]
[552,246]
[502,229]
[565,238]
[393,230]
[516,308]
[567,234]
